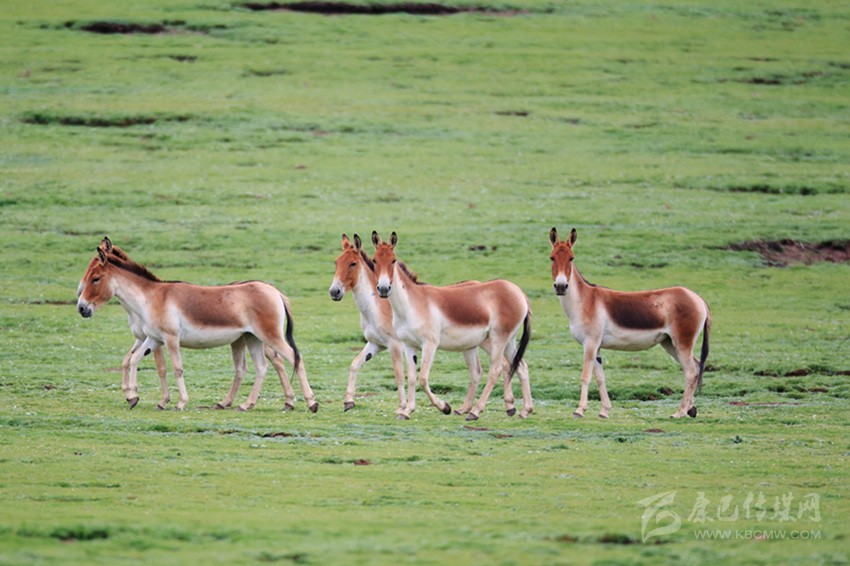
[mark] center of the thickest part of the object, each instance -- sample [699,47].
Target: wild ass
[457,318]
[245,314]
[604,318]
[355,272]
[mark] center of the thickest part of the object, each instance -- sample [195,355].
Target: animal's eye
[353,264]
[95,281]
[395,260]
[552,258]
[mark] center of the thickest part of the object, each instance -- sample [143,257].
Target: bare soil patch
[345,8]
[785,252]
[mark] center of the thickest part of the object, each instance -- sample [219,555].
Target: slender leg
[173,345]
[261,365]
[510,400]
[277,362]
[410,359]
[132,392]
[397,357]
[497,361]
[525,383]
[237,351]
[369,351]
[475,372]
[125,366]
[603,390]
[281,347]
[429,350]
[162,372]
[683,353]
[586,373]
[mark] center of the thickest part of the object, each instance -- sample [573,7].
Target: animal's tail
[289,326]
[523,343]
[704,353]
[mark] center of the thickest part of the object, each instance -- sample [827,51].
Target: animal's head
[348,266]
[562,260]
[385,261]
[95,288]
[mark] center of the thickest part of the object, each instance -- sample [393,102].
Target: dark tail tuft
[704,353]
[289,339]
[523,343]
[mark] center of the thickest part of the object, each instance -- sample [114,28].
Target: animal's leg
[510,400]
[277,361]
[132,392]
[524,381]
[367,353]
[497,361]
[173,345]
[410,360]
[162,372]
[603,390]
[281,347]
[473,362]
[683,353]
[586,371]
[237,350]
[397,357]
[429,350]
[255,347]
[125,366]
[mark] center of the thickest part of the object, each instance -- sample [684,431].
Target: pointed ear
[102,255]
[573,235]
[393,240]
[106,244]
[345,242]
[553,236]
[376,239]
[358,243]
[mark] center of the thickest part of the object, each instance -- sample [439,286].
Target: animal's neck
[402,289]
[577,289]
[131,290]
[364,291]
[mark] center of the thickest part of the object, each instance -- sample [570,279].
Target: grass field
[240,144]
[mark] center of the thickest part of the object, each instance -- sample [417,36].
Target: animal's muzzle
[85,311]
[560,289]
[336,293]
[384,291]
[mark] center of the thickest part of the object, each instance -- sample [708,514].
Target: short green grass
[242,144]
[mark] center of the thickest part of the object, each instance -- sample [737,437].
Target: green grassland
[240,144]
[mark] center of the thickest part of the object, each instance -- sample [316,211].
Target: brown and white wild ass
[604,318]
[355,272]
[248,314]
[457,318]
[238,352]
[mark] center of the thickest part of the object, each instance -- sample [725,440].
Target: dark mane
[413,276]
[122,261]
[369,263]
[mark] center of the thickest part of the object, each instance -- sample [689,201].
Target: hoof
[511,412]
[159,406]
[241,409]
[133,402]
[578,415]
[601,416]
[314,408]
[458,413]
[447,410]
[403,417]
[219,407]
[288,407]
[347,406]
[692,412]
[471,416]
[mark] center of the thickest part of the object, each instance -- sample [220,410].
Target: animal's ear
[358,243]
[345,242]
[573,235]
[106,244]
[393,240]
[553,236]
[376,239]
[102,255]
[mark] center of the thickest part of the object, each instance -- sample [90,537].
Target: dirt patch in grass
[345,8]
[782,253]
[95,120]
